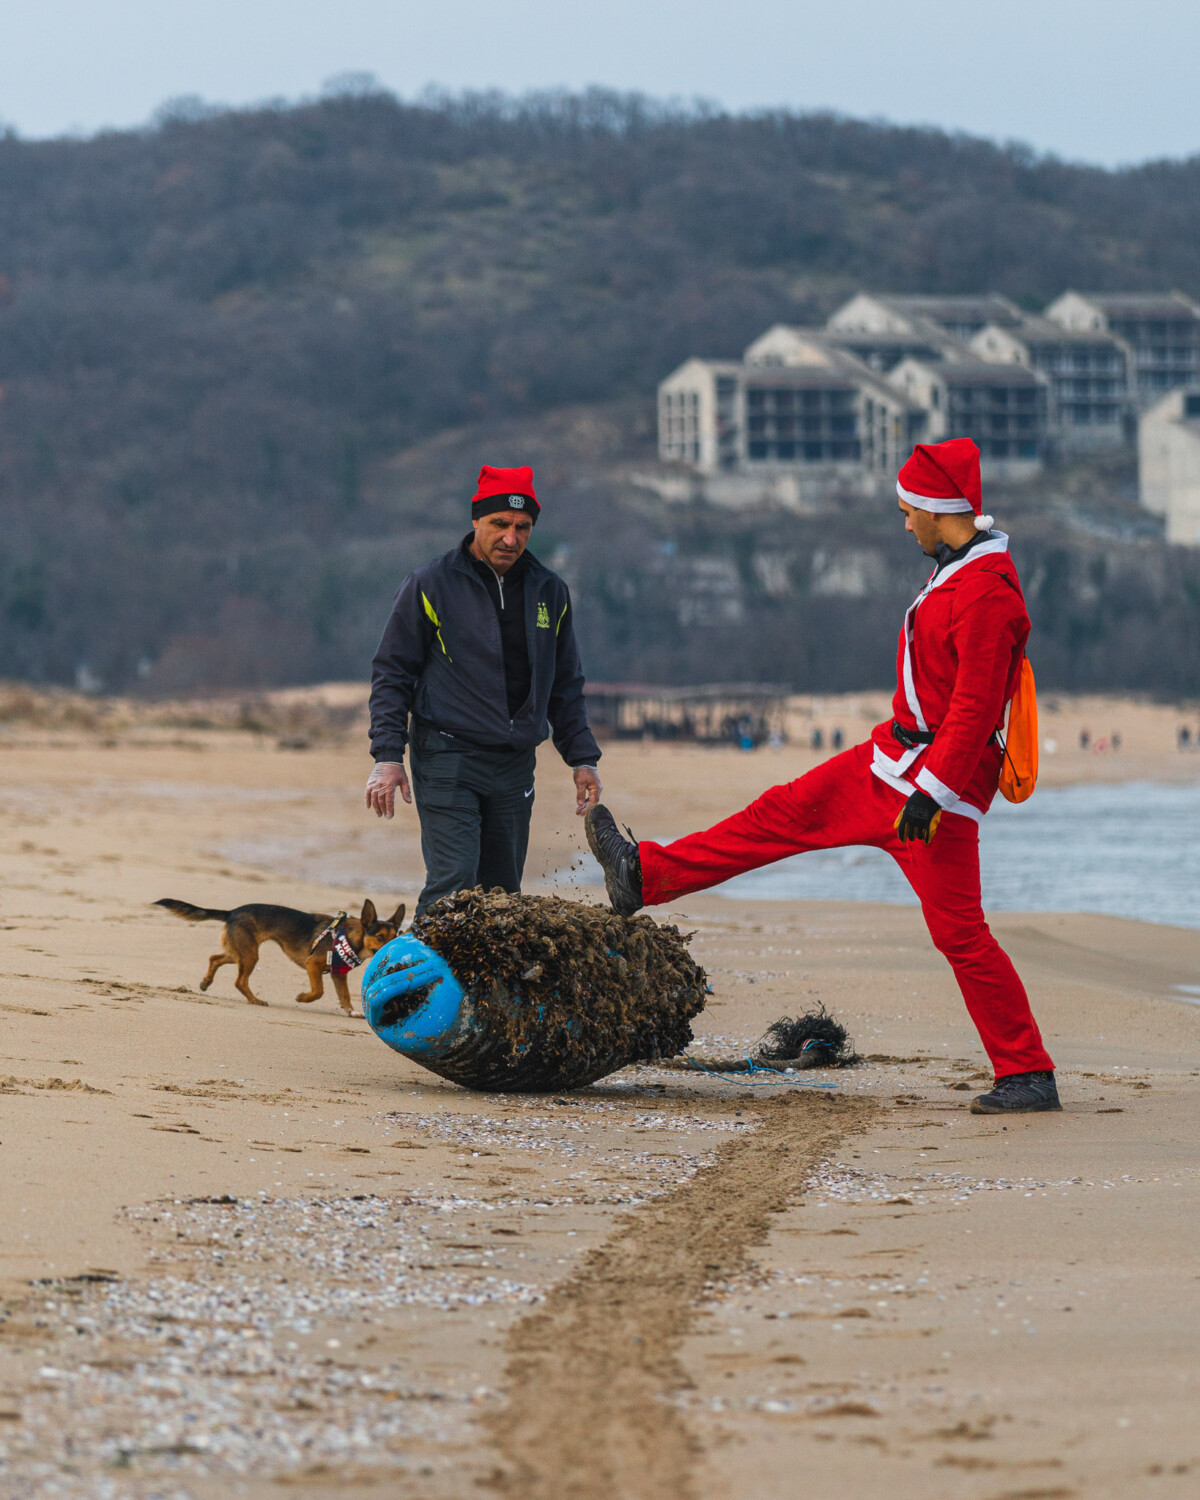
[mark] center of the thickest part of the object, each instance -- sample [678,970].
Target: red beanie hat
[944,477]
[505,489]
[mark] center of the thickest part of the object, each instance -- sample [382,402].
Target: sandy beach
[253,1252]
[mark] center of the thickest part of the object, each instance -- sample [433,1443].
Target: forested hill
[216,333]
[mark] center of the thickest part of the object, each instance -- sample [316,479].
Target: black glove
[918,818]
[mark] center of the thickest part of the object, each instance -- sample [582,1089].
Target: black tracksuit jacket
[441,659]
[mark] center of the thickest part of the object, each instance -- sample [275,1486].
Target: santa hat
[505,489]
[944,477]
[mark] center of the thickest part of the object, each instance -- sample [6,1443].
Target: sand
[252,1251]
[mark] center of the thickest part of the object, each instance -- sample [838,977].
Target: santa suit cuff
[938,790]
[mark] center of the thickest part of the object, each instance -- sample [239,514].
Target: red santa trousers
[841,803]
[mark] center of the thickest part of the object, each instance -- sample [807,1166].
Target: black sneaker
[1019,1094]
[619,859]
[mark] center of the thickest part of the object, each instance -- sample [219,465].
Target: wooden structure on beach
[741,713]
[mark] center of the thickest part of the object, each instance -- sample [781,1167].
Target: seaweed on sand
[559,993]
[789,1045]
[813,1040]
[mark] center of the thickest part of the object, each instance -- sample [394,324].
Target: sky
[1105,81]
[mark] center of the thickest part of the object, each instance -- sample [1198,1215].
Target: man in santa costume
[917,788]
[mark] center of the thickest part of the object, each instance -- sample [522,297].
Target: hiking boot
[619,859]
[1019,1094]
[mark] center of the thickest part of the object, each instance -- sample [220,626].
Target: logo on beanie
[516,502]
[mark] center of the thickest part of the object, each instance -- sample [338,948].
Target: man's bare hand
[587,789]
[380,795]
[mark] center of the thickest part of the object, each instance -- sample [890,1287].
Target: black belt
[912,738]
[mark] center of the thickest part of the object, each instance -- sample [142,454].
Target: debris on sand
[560,993]
[789,1045]
[813,1040]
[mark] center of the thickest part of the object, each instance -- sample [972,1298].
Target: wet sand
[250,1248]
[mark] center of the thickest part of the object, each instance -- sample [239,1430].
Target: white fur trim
[960,809]
[939,503]
[936,789]
[984,523]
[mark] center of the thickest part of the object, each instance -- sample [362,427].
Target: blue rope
[750,1083]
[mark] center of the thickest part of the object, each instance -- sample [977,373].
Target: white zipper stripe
[998,544]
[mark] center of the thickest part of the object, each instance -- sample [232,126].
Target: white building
[1169,464]
[794,402]
[1161,328]
[807,407]
[700,415]
[1003,407]
[1088,374]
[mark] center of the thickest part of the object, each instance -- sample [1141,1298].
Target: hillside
[249,363]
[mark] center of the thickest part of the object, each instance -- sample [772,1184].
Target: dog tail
[190,913]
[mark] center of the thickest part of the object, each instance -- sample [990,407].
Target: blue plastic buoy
[412,1000]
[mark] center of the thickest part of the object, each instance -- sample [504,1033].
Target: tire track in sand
[591,1374]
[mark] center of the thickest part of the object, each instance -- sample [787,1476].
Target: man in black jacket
[480,651]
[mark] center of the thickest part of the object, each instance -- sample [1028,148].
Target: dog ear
[397,916]
[369,915]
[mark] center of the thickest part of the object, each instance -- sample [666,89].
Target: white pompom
[984,523]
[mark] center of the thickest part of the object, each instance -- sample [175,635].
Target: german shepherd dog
[297,933]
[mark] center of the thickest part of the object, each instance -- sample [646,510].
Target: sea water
[1131,850]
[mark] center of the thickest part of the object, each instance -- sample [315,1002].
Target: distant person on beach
[1185,737]
[918,788]
[477,666]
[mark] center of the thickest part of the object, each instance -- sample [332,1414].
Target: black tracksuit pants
[474,806]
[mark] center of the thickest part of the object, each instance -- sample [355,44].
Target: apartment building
[700,416]
[853,396]
[1003,407]
[1161,328]
[1088,373]
[791,402]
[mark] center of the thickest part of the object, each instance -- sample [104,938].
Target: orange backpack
[1019,768]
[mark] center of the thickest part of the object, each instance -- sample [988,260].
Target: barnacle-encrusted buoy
[509,993]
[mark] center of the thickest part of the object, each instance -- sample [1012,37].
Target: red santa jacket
[960,652]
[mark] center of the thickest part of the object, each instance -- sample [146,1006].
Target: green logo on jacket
[543,616]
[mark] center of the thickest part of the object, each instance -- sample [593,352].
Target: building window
[787,450]
[757,451]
